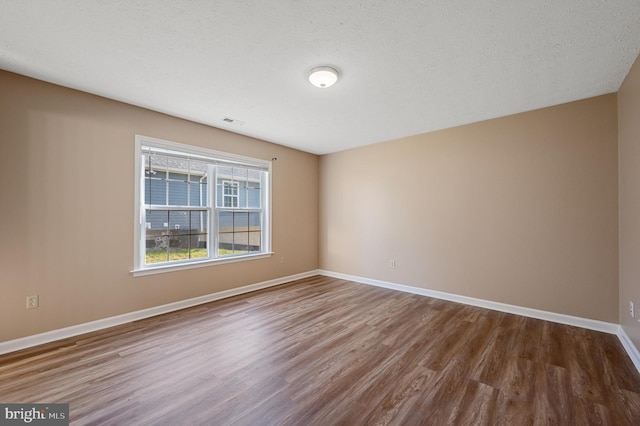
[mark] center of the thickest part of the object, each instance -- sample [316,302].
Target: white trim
[631,349]
[175,266]
[63,333]
[590,324]
[606,327]
[75,330]
[206,154]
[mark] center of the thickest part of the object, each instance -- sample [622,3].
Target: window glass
[179,223]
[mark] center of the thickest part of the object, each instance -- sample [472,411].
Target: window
[230,193]
[196,206]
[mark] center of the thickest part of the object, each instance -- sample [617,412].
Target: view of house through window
[198,205]
[230,194]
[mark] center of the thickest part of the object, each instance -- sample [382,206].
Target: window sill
[200,264]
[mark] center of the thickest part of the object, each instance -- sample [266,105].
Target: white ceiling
[407,67]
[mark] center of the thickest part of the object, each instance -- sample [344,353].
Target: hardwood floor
[323,351]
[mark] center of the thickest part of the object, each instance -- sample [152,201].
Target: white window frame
[140,268]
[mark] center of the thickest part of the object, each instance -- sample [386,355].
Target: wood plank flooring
[323,351]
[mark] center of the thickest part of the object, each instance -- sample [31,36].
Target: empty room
[320,213]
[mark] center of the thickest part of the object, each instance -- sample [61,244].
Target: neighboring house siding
[236,229]
[181,192]
[242,220]
[252,193]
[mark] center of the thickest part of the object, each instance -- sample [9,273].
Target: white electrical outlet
[32,302]
[392,263]
[632,310]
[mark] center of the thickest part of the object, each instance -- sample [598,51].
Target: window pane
[147,188]
[155,180]
[242,194]
[255,231]
[159,189]
[178,222]
[203,191]
[199,222]
[241,176]
[240,242]
[225,221]
[240,222]
[197,191]
[199,226]
[225,243]
[253,195]
[198,246]
[225,233]
[156,236]
[255,241]
[178,188]
[156,249]
[174,178]
[175,235]
[157,222]
[179,247]
[255,221]
[239,232]
[155,189]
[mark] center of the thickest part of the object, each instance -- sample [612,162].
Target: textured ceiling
[407,67]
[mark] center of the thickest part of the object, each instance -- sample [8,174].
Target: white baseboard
[590,324]
[63,333]
[631,349]
[75,330]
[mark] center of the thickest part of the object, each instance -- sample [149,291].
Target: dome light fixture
[323,77]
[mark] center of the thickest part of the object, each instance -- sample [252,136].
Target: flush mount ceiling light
[323,77]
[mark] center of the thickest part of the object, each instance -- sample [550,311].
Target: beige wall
[629,184]
[519,210]
[66,208]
